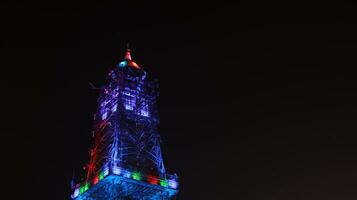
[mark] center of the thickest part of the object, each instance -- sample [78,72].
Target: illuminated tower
[126,160]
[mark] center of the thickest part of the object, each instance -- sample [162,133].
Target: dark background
[257,98]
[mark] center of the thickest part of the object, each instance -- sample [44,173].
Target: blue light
[76,193]
[114,108]
[123,64]
[144,111]
[129,101]
[106,171]
[127,174]
[104,115]
[116,170]
[173,184]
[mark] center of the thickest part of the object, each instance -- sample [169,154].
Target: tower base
[115,187]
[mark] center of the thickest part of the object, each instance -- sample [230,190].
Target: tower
[126,160]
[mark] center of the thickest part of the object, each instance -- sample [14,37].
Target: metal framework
[126,160]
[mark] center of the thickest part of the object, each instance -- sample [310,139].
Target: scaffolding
[126,155]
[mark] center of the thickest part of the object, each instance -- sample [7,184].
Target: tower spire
[127,61]
[127,53]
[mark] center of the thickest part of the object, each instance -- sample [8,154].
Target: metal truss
[126,137]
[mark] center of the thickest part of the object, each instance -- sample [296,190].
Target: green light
[81,190]
[101,175]
[163,183]
[86,186]
[137,176]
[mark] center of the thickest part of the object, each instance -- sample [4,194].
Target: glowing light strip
[153,180]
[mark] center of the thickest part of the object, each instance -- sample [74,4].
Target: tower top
[127,60]
[127,53]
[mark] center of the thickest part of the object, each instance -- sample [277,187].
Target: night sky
[258,99]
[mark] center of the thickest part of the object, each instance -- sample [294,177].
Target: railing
[170,181]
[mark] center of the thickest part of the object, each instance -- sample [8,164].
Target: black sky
[257,99]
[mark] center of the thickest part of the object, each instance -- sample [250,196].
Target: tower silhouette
[126,160]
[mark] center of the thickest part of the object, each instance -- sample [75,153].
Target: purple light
[144,111]
[173,184]
[116,170]
[129,101]
[114,108]
[106,171]
[75,193]
[104,115]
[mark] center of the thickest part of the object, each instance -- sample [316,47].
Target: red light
[127,54]
[95,180]
[152,180]
[133,64]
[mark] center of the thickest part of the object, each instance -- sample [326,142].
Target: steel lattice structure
[126,160]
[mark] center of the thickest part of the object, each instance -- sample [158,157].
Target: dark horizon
[257,99]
